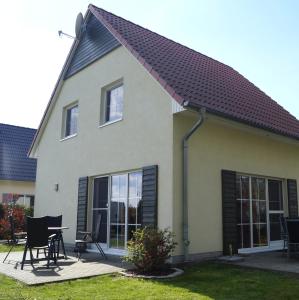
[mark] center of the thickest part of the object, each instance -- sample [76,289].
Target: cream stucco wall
[142,138]
[217,145]
[17,187]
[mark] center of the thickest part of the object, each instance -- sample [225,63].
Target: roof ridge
[18,126]
[195,51]
[171,40]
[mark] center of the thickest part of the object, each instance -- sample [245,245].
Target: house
[17,170]
[126,104]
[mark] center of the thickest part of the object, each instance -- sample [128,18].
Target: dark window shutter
[82,205]
[292,198]
[229,212]
[149,196]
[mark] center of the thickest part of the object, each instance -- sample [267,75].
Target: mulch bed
[158,274]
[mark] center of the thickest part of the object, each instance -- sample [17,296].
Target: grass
[6,247]
[202,281]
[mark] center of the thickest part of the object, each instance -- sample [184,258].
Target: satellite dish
[78,26]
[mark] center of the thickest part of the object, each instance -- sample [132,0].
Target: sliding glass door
[118,199]
[260,204]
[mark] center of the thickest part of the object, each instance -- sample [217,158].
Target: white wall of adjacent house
[142,138]
[21,192]
[224,145]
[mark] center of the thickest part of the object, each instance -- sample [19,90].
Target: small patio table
[60,237]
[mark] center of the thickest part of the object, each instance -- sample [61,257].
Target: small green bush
[149,249]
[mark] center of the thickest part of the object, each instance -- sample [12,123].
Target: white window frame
[107,245]
[271,245]
[64,120]
[104,98]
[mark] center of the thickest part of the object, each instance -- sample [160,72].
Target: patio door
[260,205]
[118,199]
[275,210]
[100,205]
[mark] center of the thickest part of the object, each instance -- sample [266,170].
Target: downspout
[199,122]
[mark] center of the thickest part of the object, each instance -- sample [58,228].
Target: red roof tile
[190,76]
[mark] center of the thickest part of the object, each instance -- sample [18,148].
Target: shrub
[18,213]
[149,249]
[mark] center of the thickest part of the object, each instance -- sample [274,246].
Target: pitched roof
[199,80]
[15,142]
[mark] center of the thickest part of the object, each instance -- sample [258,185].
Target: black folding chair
[90,237]
[283,231]
[293,235]
[38,238]
[16,238]
[56,221]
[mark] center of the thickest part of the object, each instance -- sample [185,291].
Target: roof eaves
[141,60]
[54,93]
[195,106]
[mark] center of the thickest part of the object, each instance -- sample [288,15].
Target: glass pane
[240,243]
[245,187]
[100,192]
[259,211]
[139,209]
[114,104]
[117,236]
[117,211]
[275,195]
[238,187]
[239,213]
[71,121]
[246,236]
[131,229]
[123,186]
[259,235]
[258,186]
[254,188]
[132,211]
[103,227]
[133,185]
[245,211]
[275,230]
[262,188]
[115,186]
[255,212]
[113,211]
[263,211]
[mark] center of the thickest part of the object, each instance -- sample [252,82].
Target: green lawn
[201,281]
[6,247]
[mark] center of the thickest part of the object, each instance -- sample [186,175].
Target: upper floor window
[112,106]
[71,120]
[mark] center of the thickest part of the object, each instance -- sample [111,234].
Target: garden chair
[38,238]
[55,221]
[293,235]
[90,237]
[17,238]
[283,231]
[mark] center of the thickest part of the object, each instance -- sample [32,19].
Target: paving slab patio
[274,260]
[90,265]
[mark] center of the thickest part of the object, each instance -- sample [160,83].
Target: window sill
[68,137]
[109,123]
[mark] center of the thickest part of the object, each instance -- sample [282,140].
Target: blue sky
[260,39]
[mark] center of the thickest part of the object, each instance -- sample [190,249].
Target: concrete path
[276,261]
[90,265]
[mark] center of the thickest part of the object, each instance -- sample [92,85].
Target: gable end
[95,42]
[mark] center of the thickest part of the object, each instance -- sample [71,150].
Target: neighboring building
[17,170]
[110,143]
